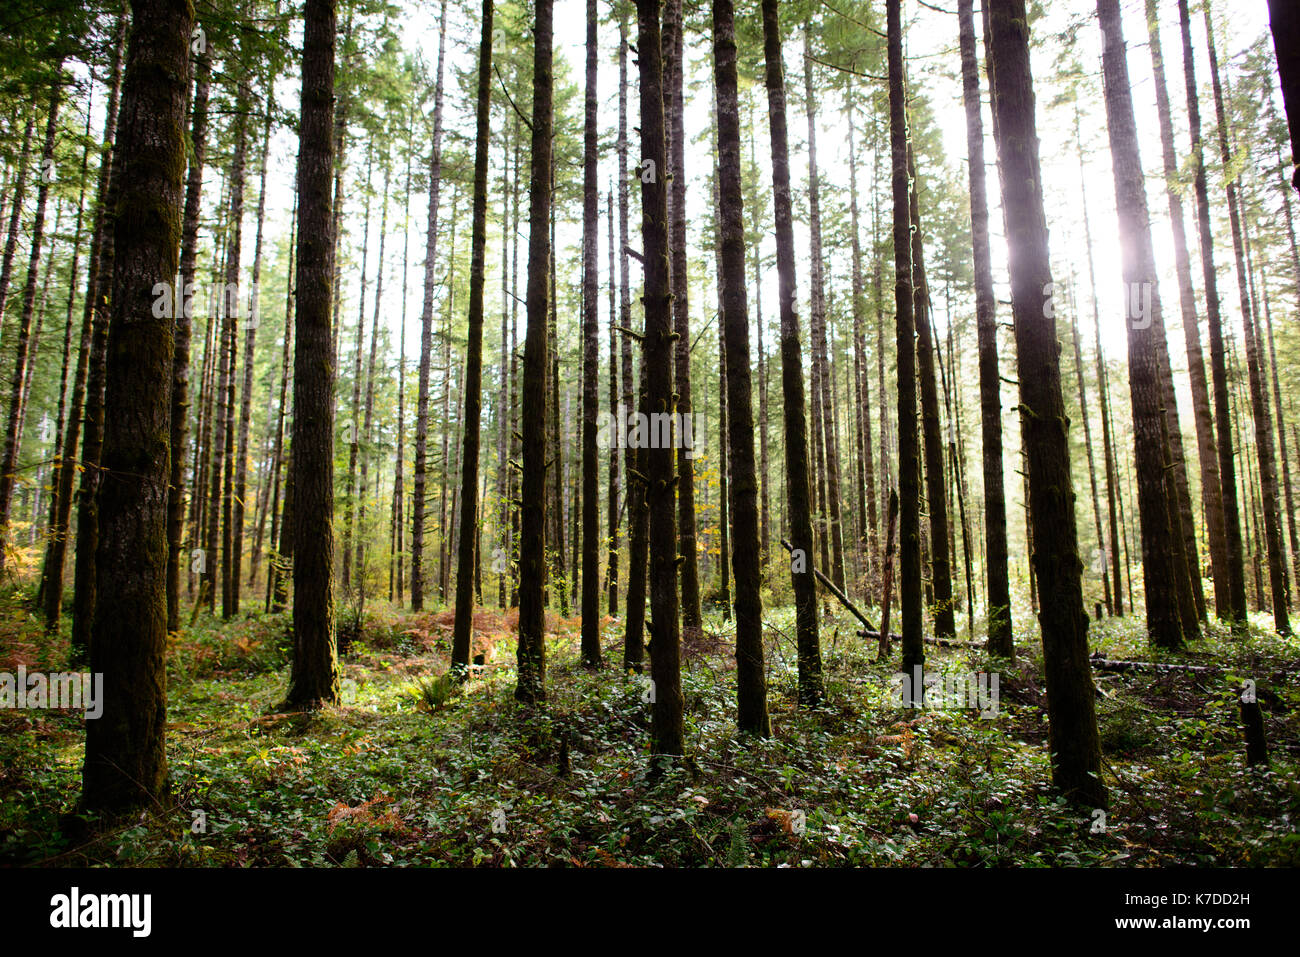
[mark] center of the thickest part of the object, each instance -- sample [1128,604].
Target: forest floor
[413,770]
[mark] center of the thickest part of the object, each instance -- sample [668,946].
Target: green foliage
[415,769]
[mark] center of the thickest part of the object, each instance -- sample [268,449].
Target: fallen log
[1108,664]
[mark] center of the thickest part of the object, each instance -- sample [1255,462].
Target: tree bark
[666,721]
[1265,454]
[1235,609]
[811,687]
[751,682]
[1167,624]
[590,359]
[909,453]
[420,468]
[1074,743]
[1211,485]
[531,683]
[126,760]
[464,619]
[674,66]
[314,679]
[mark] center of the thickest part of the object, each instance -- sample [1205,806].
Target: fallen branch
[831,587]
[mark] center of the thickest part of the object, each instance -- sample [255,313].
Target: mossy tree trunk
[126,759]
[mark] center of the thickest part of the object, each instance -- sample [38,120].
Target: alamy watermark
[57,690]
[658,430]
[975,691]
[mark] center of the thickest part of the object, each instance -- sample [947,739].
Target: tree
[1264,452]
[314,680]
[824,442]
[23,357]
[674,69]
[1073,741]
[464,620]
[181,359]
[666,723]
[811,689]
[56,553]
[909,457]
[638,545]
[1284,20]
[1167,624]
[531,655]
[1000,640]
[751,683]
[126,760]
[1211,484]
[932,432]
[1235,609]
[250,345]
[590,361]
[420,468]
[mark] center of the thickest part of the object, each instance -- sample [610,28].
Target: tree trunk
[1211,486]
[909,460]
[531,686]
[935,475]
[420,468]
[765,496]
[674,66]
[1074,743]
[314,679]
[868,539]
[353,434]
[126,759]
[16,211]
[666,722]
[822,406]
[811,688]
[1235,608]
[56,555]
[1000,640]
[276,571]
[60,464]
[464,620]
[25,353]
[1167,624]
[501,553]
[1284,19]
[250,345]
[1264,451]
[613,512]
[223,475]
[638,556]
[181,359]
[590,360]
[751,683]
